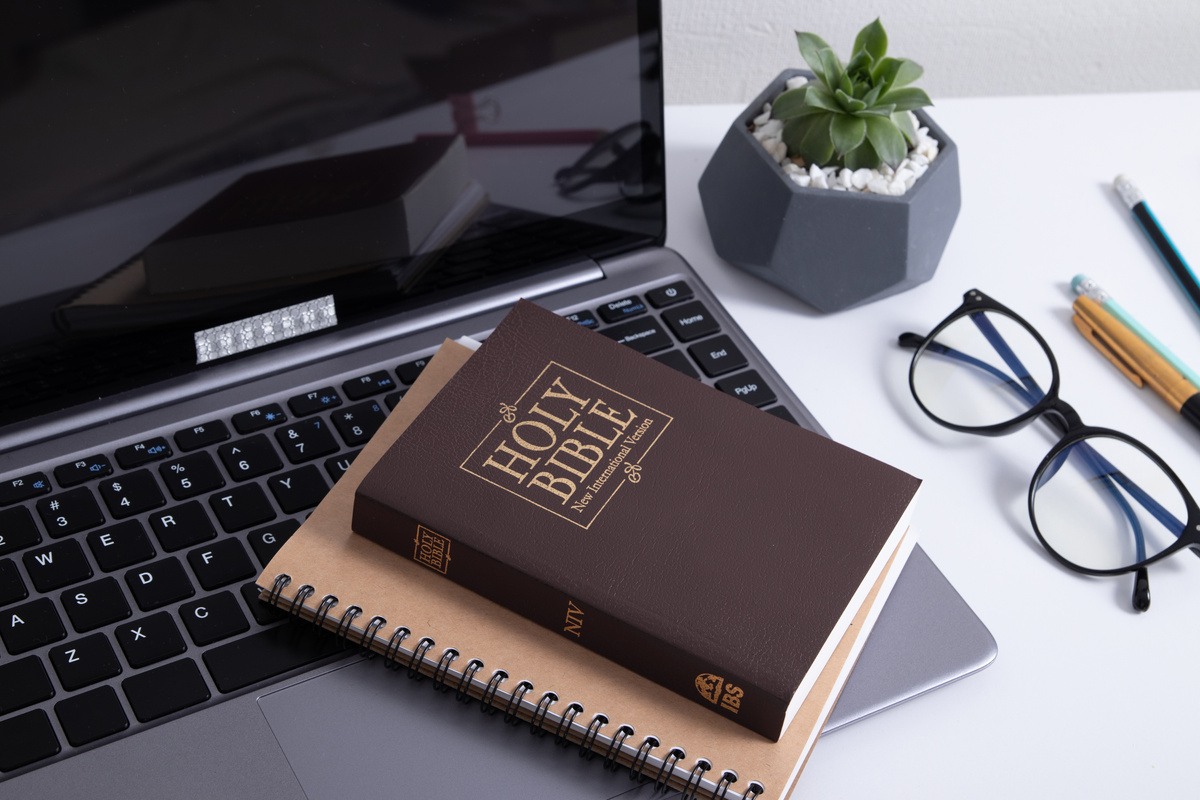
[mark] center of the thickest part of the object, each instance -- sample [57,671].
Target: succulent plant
[854,115]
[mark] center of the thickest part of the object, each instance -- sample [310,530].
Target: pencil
[1136,202]
[1088,287]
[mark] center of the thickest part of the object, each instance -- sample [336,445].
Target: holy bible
[708,546]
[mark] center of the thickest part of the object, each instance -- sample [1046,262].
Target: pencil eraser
[1078,279]
[1129,193]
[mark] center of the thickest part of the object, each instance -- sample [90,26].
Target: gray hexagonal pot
[831,249]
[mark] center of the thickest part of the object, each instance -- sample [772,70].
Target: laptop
[231,235]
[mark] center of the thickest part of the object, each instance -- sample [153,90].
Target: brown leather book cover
[415,618]
[710,547]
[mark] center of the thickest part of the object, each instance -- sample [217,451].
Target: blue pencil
[1136,202]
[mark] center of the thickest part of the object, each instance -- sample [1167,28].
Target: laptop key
[691,321]
[266,541]
[84,661]
[367,385]
[337,466]
[132,493]
[667,295]
[12,588]
[266,654]
[783,414]
[136,455]
[221,563]
[69,512]
[748,386]
[201,435]
[256,419]
[159,583]
[249,458]
[83,470]
[299,489]
[17,530]
[23,683]
[26,739]
[95,605]
[121,545]
[312,402]
[585,318]
[644,335]
[191,475]
[407,373]
[675,359]
[25,487]
[165,690]
[150,639]
[91,716]
[304,441]
[264,613]
[358,423]
[717,356]
[57,565]
[621,309]
[213,618]
[182,526]
[30,626]
[242,507]
[392,399]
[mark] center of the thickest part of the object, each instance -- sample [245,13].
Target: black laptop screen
[169,167]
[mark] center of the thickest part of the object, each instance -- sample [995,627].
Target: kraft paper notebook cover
[371,582]
[714,549]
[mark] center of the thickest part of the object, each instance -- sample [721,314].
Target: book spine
[651,760]
[685,673]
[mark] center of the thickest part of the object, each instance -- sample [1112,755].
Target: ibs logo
[432,550]
[714,689]
[568,444]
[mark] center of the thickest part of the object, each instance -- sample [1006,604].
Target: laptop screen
[173,167]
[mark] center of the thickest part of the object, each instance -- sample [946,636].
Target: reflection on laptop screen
[172,167]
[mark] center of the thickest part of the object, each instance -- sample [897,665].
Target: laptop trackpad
[363,730]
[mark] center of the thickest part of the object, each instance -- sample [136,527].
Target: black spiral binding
[537,723]
[489,701]
[443,669]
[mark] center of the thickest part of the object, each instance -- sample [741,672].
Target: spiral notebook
[423,623]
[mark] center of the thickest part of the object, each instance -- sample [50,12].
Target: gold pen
[1136,359]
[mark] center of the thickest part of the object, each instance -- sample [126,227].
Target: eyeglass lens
[1103,503]
[983,369]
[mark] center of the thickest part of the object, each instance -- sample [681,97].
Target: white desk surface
[1087,698]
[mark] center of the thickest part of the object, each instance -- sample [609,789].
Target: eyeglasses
[616,158]
[1101,502]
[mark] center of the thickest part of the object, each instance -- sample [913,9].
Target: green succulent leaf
[862,157]
[872,96]
[847,133]
[820,97]
[809,137]
[872,40]
[905,73]
[849,103]
[810,45]
[887,139]
[908,98]
[860,64]
[835,73]
[904,122]
[877,111]
[790,103]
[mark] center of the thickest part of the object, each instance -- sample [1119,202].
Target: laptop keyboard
[126,576]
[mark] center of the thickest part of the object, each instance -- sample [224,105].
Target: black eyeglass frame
[1066,422]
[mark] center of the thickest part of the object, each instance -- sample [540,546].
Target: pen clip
[1098,341]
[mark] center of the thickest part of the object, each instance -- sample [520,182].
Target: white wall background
[724,51]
